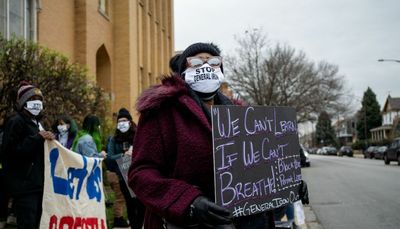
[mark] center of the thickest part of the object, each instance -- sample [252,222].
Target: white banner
[73,190]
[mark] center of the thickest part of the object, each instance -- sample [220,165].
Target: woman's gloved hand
[206,212]
[303,192]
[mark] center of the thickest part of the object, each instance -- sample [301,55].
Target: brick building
[125,44]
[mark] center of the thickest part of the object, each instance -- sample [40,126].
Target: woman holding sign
[120,145]
[172,169]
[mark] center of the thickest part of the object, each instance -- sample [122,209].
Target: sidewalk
[358,155]
[311,220]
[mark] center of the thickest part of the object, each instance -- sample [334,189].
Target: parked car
[304,157]
[312,150]
[322,151]
[393,152]
[331,150]
[380,151]
[327,150]
[345,151]
[370,152]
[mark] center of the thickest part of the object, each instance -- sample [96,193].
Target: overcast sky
[352,34]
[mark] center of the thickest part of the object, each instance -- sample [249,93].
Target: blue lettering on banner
[77,173]
[67,187]
[94,182]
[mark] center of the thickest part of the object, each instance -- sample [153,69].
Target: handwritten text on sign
[256,158]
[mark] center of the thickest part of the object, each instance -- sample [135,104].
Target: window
[15,18]
[3,17]
[103,7]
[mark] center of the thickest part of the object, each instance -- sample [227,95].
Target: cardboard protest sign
[123,164]
[256,158]
[73,190]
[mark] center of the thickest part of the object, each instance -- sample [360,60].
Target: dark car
[345,151]
[380,151]
[393,152]
[370,152]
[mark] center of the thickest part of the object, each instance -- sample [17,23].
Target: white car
[323,150]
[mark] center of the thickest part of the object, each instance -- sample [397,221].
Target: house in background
[390,121]
[125,44]
[346,130]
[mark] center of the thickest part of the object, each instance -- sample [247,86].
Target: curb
[311,219]
[358,155]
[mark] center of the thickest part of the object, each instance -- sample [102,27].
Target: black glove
[207,212]
[303,192]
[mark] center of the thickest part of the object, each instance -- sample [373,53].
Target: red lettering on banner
[92,222]
[102,224]
[70,222]
[53,222]
[78,223]
[66,220]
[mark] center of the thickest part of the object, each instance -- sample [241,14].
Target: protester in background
[23,156]
[88,140]
[65,129]
[114,182]
[118,146]
[172,168]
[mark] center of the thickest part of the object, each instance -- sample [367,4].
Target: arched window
[103,7]
[103,69]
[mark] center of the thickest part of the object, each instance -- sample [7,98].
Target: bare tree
[278,75]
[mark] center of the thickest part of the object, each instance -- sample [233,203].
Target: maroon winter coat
[173,161]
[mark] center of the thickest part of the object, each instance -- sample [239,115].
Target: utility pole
[365,122]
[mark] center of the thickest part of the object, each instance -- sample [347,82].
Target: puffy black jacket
[23,155]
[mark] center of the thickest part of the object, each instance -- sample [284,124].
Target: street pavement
[352,193]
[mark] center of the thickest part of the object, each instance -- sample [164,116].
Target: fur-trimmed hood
[170,87]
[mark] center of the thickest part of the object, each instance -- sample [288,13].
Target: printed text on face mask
[205,73]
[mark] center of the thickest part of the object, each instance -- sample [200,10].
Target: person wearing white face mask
[172,169]
[117,146]
[66,130]
[23,162]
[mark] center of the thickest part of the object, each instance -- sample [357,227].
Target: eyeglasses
[195,62]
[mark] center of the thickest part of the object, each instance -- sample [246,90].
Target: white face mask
[204,79]
[123,126]
[34,107]
[62,129]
